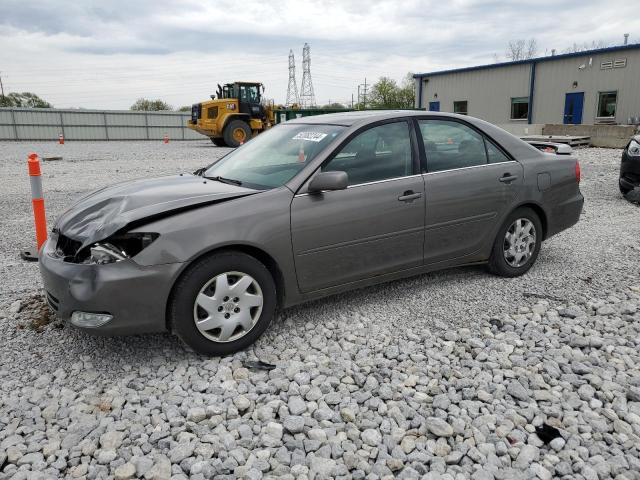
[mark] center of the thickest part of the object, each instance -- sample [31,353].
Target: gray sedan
[313,207]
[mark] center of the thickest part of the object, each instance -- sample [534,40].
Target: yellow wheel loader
[233,115]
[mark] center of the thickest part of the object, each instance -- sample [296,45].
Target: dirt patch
[34,313]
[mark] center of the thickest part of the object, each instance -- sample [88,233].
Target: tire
[510,263]
[235,133]
[623,190]
[237,321]
[219,142]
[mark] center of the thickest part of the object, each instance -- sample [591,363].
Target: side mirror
[328,181]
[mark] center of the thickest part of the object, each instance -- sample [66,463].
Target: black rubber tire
[623,190]
[219,142]
[228,132]
[180,309]
[497,263]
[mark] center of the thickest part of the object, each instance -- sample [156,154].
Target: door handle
[409,196]
[508,178]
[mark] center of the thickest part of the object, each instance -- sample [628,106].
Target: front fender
[261,221]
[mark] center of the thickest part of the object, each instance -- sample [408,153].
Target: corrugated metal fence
[48,123]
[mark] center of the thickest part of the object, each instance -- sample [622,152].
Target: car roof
[348,119]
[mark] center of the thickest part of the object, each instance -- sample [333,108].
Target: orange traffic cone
[61,139]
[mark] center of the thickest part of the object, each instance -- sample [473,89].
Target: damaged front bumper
[134,295]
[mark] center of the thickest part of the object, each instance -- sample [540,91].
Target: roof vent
[606,65]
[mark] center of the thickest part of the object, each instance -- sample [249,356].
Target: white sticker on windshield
[310,136]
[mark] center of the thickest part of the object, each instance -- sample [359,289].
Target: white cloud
[105,55]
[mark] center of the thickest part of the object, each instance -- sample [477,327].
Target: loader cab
[249,99]
[248,94]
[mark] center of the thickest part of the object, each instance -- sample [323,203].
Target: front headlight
[117,248]
[633,150]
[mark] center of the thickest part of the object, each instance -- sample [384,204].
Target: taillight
[578,175]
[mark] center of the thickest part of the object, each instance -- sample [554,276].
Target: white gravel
[447,375]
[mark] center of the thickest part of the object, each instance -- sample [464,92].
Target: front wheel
[517,244]
[236,132]
[222,303]
[218,142]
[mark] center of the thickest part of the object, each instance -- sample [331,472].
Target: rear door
[470,184]
[373,227]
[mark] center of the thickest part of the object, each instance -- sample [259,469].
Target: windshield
[274,157]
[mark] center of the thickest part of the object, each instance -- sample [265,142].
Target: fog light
[90,320]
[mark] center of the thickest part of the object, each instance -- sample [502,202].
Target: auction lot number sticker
[310,136]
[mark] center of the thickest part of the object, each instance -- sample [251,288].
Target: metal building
[590,87]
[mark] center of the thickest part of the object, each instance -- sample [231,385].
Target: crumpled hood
[104,212]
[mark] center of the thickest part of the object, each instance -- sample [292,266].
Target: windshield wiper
[230,181]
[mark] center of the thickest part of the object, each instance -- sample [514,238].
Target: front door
[373,227]
[470,184]
[434,106]
[573,103]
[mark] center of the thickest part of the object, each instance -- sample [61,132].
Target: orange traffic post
[61,139]
[37,201]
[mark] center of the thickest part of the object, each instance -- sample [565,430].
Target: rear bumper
[565,215]
[135,295]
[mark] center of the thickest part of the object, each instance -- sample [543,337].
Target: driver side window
[379,153]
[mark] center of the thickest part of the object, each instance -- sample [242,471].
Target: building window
[519,108]
[607,104]
[460,107]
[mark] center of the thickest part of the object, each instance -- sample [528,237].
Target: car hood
[104,212]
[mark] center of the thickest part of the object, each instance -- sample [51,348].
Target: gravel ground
[449,375]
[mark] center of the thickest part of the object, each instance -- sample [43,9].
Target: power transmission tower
[307,97]
[363,90]
[292,89]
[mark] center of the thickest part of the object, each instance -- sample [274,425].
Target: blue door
[573,108]
[434,106]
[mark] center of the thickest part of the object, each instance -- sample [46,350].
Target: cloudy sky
[82,53]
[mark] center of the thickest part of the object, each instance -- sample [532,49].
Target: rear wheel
[223,303]
[623,190]
[517,244]
[236,132]
[219,142]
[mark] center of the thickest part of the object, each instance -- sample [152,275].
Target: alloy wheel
[519,242]
[228,306]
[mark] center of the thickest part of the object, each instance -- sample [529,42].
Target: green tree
[24,100]
[186,108]
[334,105]
[383,94]
[407,92]
[386,93]
[146,105]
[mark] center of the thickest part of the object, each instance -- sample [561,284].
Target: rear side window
[450,145]
[378,153]
[494,154]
